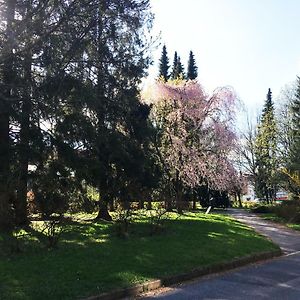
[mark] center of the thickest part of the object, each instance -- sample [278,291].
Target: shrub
[157,220]
[290,211]
[261,209]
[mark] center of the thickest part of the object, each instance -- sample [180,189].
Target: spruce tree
[266,151]
[7,82]
[192,72]
[164,65]
[178,69]
[174,66]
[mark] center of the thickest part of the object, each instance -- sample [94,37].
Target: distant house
[249,193]
[282,195]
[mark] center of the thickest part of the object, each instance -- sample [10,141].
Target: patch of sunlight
[100,240]
[215,234]
[76,242]
[127,276]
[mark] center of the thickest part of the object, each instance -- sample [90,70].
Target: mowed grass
[91,259]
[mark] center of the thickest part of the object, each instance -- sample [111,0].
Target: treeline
[271,149]
[177,70]
[72,119]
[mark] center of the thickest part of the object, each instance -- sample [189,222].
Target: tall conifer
[178,69]
[192,69]
[265,151]
[164,65]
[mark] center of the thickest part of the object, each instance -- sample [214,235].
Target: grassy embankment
[91,259]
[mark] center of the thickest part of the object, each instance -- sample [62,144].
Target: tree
[194,135]
[164,65]
[7,82]
[266,152]
[293,162]
[70,73]
[192,72]
[105,106]
[177,68]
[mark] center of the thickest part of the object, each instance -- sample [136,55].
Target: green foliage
[177,68]
[294,155]
[164,65]
[261,209]
[266,152]
[289,211]
[192,70]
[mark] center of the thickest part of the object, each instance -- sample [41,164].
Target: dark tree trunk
[21,203]
[5,205]
[239,199]
[168,205]
[141,204]
[194,204]
[103,213]
[149,204]
[6,221]
[178,192]
[111,205]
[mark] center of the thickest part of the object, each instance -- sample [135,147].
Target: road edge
[179,278]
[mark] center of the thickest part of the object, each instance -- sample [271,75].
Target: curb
[170,280]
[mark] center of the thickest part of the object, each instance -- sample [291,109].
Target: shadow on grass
[90,258]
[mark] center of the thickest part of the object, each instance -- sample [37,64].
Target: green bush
[290,211]
[261,209]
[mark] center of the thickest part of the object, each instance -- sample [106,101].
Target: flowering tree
[194,134]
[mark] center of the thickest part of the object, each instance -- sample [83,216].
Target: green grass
[91,259]
[273,217]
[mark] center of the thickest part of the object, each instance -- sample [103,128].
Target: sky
[251,45]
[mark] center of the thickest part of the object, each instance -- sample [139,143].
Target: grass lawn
[273,217]
[91,259]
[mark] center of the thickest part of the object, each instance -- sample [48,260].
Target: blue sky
[250,45]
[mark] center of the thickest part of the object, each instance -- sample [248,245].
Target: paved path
[274,279]
[287,239]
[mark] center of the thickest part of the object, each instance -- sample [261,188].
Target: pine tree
[7,82]
[192,72]
[266,151]
[174,66]
[178,69]
[164,65]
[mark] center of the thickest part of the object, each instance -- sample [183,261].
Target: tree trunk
[141,204]
[149,204]
[194,204]
[103,213]
[111,205]
[178,192]
[21,203]
[168,205]
[240,200]
[6,221]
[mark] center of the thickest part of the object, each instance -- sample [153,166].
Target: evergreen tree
[178,69]
[164,65]
[192,72]
[6,96]
[266,152]
[174,66]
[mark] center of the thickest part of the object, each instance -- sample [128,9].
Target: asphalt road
[274,279]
